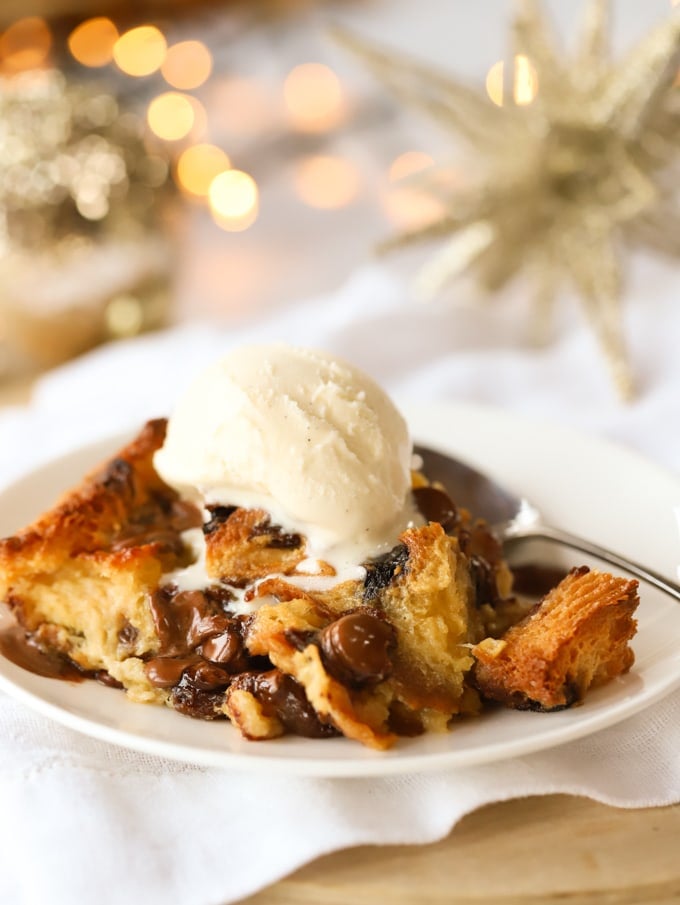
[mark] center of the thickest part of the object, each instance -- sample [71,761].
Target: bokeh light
[25,44]
[233,197]
[314,98]
[187,65]
[407,164]
[124,316]
[524,82]
[140,51]
[198,166]
[171,116]
[326,182]
[92,42]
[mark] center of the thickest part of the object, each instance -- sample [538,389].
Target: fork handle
[557,536]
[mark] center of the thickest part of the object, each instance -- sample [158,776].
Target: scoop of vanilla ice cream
[303,435]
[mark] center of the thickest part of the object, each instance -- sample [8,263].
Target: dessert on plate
[270,556]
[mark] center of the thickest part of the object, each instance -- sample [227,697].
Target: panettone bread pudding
[222,609]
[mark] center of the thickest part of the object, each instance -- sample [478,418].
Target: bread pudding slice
[220,615]
[376,659]
[576,637]
[100,578]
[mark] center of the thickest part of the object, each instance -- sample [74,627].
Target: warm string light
[25,45]
[187,65]
[201,170]
[170,116]
[314,98]
[92,42]
[140,51]
[234,200]
[198,165]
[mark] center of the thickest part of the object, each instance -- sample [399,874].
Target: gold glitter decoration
[71,163]
[81,220]
[589,163]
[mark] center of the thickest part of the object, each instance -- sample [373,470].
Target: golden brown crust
[575,638]
[82,574]
[245,547]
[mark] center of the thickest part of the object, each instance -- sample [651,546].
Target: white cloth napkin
[83,821]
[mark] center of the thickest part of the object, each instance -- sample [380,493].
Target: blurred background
[179,160]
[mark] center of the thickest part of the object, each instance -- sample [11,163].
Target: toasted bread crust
[80,577]
[575,638]
[246,547]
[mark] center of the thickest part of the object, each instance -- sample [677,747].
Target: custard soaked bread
[354,599]
[95,579]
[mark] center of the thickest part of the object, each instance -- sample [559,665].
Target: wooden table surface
[547,849]
[533,850]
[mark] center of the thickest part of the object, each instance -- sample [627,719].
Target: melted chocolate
[183,620]
[535,580]
[356,649]
[281,696]
[201,647]
[276,537]
[164,672]
[436,506]
[18,647]
[194,702]
[384,569]
[218,516]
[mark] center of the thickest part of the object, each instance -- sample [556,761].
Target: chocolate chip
[483,580]
[166,539]
[223,648]
[356,649]
[382,570]
[183,619]
[164,672]
[128,634]
[218,516]
[536,579]
[206,676]
[275,536]
[192,701]
[404,721]
[220,596]
[205,625]
[299,638]
[280,695]
[436,506]
[105,678]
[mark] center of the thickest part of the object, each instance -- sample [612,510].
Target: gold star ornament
[585,163]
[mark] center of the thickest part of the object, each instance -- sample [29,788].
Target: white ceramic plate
[589,487]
